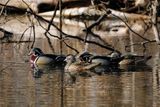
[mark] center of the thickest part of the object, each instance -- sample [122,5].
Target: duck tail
[92,66]
[143,60]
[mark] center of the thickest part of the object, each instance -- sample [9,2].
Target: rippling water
[128,87]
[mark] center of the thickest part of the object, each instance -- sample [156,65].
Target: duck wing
[117,60]
[101,57]
[50,56]
[55,59]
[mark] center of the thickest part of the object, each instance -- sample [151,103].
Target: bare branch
[71,47]
[95,23]
[24,33]
[88,30]
[49,42]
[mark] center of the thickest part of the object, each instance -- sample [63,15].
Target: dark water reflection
[130,87]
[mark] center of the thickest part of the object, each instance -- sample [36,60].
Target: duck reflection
[38,71]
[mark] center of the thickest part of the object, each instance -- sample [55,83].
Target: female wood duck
[37,57]
[133,59]
[75,66]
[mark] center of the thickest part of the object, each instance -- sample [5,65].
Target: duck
[38,58]
[84,56]
[104,60]
[72,65]
[134,59]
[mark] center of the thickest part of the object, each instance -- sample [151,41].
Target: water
[133,87]
[127,88]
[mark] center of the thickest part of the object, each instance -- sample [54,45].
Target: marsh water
[126,87]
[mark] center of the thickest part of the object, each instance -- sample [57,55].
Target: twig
[86,36]
[53,16]
[60,27]
[49,42]
[147,28]
[140,43]
[88,30]
[18,42]
[34,35]
[95,23]
[92,42]
[71,47]
[24,33]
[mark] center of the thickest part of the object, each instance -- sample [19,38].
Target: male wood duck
[37,57]
[112,59]
[75,66]
[134,59]
[106,62]
[84,56]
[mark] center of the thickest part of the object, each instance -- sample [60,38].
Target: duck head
[115,54]
[85,56]
[70,59]
[34,53]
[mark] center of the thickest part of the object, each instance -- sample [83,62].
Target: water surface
[128,87]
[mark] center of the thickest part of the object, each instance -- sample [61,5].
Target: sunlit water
[128,87]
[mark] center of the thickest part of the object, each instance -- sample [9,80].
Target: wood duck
[134,59]
[75,66]
[37,57]
[109,60]
[84,56]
